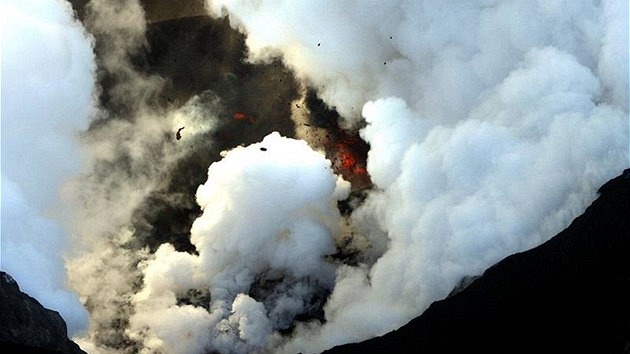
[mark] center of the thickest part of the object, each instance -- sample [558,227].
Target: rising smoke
[268,222]
[490,126]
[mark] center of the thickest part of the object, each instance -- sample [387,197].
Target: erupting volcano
[228,176]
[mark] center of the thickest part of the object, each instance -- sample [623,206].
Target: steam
[356,52]
[47,84]
[490,125]
[463,197]
[131,153]
[242,246]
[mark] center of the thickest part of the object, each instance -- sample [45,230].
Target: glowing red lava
[243,116]
[349,162]
[349,156]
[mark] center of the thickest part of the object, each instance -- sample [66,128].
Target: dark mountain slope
[568,295]
[27,327]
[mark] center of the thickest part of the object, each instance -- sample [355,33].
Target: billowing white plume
[47,84]
[491,124]
[269,216]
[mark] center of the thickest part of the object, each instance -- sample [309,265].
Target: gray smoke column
[491,124]
[131,151]
[47,86]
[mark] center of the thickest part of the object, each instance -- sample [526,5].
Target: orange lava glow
[349,162]
[243,116]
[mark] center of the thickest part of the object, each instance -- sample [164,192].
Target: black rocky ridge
[568,295]
[27,327]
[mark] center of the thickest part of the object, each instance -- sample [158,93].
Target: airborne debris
[263,149]
[178,135]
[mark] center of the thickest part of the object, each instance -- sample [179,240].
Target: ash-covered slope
[27,327]
[570,294]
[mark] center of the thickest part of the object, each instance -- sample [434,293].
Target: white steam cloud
[131,152]
[47,84]
[269,216]
[491,124]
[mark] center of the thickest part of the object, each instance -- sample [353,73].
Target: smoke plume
[260,268]
[490,126]
[194,222]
